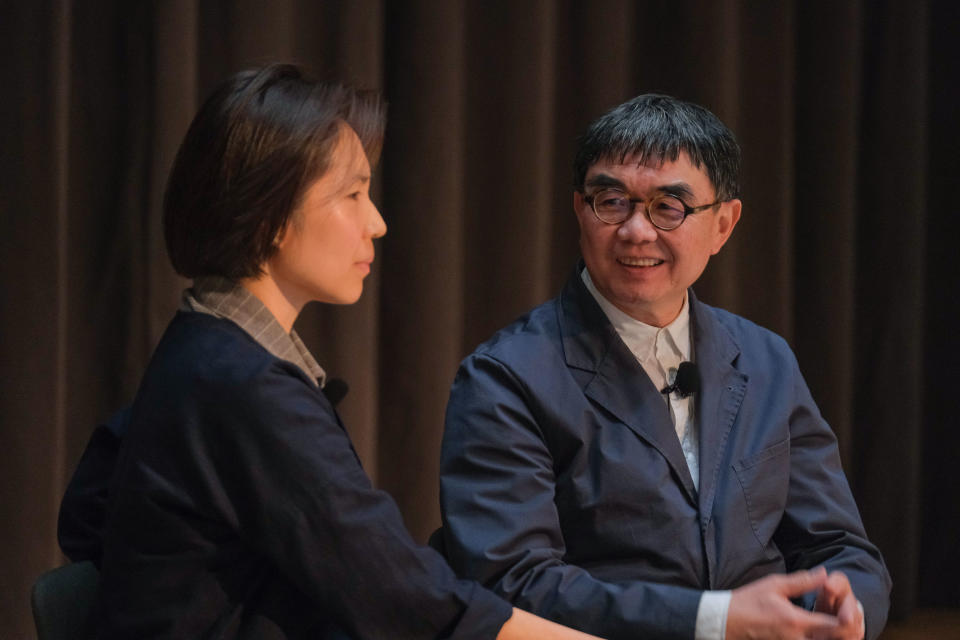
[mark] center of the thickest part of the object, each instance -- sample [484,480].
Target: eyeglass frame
[687,209]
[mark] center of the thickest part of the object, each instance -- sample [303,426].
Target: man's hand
[762,609]
[836,598]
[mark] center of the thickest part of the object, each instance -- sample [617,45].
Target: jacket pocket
[765,479]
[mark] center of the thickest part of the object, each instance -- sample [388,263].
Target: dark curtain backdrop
[846,111]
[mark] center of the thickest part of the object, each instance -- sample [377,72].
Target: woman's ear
[281,233]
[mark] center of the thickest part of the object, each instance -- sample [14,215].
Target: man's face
[644,271]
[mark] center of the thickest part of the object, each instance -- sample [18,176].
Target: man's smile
[628,261]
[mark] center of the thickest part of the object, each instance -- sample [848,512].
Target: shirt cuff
[863,620]
[712,615]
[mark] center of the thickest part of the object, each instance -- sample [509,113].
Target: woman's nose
[375,224]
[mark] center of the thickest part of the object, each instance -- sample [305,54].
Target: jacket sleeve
[821,524]
[83,508]
[291,481]
[502,527]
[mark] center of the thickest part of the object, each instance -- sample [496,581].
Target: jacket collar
[620,385]
[722,389]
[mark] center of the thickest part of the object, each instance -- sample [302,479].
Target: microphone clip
[686,381]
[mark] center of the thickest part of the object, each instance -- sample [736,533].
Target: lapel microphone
[335,389]
[686,382]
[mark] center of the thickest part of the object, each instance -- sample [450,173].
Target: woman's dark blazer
[240,509]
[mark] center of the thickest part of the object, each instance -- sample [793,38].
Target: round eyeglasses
[665,212]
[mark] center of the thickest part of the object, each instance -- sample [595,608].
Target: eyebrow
[606,181]
[677,190]
[354,180]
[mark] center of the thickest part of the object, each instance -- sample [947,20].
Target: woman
[239,508]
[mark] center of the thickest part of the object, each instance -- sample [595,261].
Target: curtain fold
[828,62]
[846,112]
[422,256]
[889,321]
[940,517]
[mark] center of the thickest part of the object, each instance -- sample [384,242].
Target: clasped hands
[762,609]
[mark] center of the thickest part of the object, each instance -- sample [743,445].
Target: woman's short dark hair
[251,151]
[656,128]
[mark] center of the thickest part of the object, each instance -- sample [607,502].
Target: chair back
[436,541]
[63,600]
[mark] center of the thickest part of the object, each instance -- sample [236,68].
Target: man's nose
[638,228]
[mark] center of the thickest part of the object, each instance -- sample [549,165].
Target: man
[585,480]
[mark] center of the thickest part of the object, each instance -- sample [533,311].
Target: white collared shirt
[660,350]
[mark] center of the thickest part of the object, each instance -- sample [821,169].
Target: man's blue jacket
[564,487]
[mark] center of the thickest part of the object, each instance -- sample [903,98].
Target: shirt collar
[224,298]
[641,338]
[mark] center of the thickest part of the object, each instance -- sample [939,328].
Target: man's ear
[580,205]
[727,218]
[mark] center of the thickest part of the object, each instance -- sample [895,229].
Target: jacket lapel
[722,389]
[618,384]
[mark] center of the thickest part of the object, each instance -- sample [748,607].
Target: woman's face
[326,249]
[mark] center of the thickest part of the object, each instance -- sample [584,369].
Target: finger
[801,582]
[848,614]
[812,624]
[825,602]
[837,584]
[832,593]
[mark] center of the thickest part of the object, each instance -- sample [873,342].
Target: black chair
[436,541]
[62,601]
